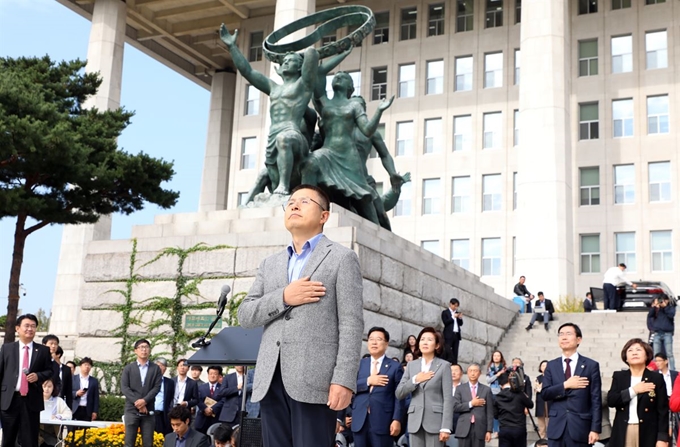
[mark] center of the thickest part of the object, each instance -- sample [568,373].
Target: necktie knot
[567,370]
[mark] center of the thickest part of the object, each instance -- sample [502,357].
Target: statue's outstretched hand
[385,104]
[227,37]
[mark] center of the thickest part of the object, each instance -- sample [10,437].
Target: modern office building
[538,133]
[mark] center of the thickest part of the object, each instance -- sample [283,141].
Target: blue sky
[170,123]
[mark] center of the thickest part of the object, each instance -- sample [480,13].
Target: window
[435,78]
[622,54]
[248,153]
[462,133]
[517,66]
[404,138]
[590,186]
[493,70]
[378,83]
[590,253]
[620,4]
[431,246]
[381,32]
[514,190]
[656,46]
[464,15]
[514,254]
[662,251]
[461,194]
[433,136]
[431,196]
[657,114]
[494,13]
[241,198]
[660,181]
[403,207]
[491,256]
[491,192]
[356,80]
[252,100]
[653,2]
[255,50]
[492,130]
[460,253]
[622,111]
[588,120]
[587,6]
[435,20]
[329,38]
[515,130]
[624,184]
[518,13]
[407,81]
[329,85]
[587,57]
[625,250]
[409,19]
[463,73]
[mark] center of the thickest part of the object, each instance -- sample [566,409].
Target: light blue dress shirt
[296,262]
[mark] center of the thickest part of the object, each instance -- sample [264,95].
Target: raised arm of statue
[310,64]
[257,79]
[366,126]
[384,153]
[324,69]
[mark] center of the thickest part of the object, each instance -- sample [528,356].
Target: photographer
[508,408]
[662,319]
[453,320]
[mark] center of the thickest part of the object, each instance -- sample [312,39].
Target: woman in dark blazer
[640,398]
[541,412]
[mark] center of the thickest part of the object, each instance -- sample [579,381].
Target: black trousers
[453,343]
[19,421]
[610,297]
[162,423]
[368,438]
[289,423]
[81,414]
[512,437]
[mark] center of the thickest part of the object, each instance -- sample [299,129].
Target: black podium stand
[231,347]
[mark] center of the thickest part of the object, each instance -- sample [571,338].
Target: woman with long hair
[541,410]
[428,380]
[411,346]
[494,370]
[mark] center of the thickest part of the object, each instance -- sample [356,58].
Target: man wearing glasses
[140,383]
[309,300]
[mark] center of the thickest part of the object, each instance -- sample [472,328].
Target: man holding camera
[508,408]
[662,316]
[543,308]
[453,320]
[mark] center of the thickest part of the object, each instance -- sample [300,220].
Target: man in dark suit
[24,366]
[453,320]
[543,308]
[86,397]
[376,386]
[589,304]
[52,342]
[186,389]
[140,383]
[474,404]
[66,377]
[206,415]
[572,389]
[312,292]
[228,400]
[253,408]
[180,418]
[164,400]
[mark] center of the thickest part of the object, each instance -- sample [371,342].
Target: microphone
[222,301]
[25,371]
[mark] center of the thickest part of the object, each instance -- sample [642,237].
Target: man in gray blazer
[182,434]
[140,382]
[309,300]
[474,402]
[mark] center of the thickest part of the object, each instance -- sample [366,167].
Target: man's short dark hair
[459,367]
[661,355]
[540,293]
[454,301]
[223,433]
[622,265]
[522,277]
[215,368]
[503,378]
[577,329]
[86,360]
[59,351]
[180,361]
[23,317]
[180,412]
[71,363]
[379,329]
[325,200]
[589,294]
[49,337]
[196,368]
[141,341]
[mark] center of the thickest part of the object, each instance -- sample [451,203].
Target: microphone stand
[202,342]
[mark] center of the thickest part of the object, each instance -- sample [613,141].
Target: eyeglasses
[302,201]
[565,334]
[379,340]
[143,347]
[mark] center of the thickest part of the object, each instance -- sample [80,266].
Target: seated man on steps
[544,308]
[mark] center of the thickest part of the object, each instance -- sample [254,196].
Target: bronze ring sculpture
[332,19]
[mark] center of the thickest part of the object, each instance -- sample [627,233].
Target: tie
[23,387]
[374,372]
[212,390]
[474,394]
[567,370]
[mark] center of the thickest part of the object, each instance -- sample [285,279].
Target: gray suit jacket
[131,385]
[432,401]
[318,343]
[194,439]
[483,415]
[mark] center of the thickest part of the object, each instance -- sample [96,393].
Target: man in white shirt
[669,376]
[186,389]
[612,279]
[86,396]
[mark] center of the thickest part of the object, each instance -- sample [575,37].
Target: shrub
[569,304]
[111,408]
[112,436]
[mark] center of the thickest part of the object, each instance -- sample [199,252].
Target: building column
[216,164]
[104,55]
[545,230]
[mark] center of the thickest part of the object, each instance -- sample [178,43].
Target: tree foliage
[59,160]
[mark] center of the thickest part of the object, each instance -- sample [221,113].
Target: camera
[516,379]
